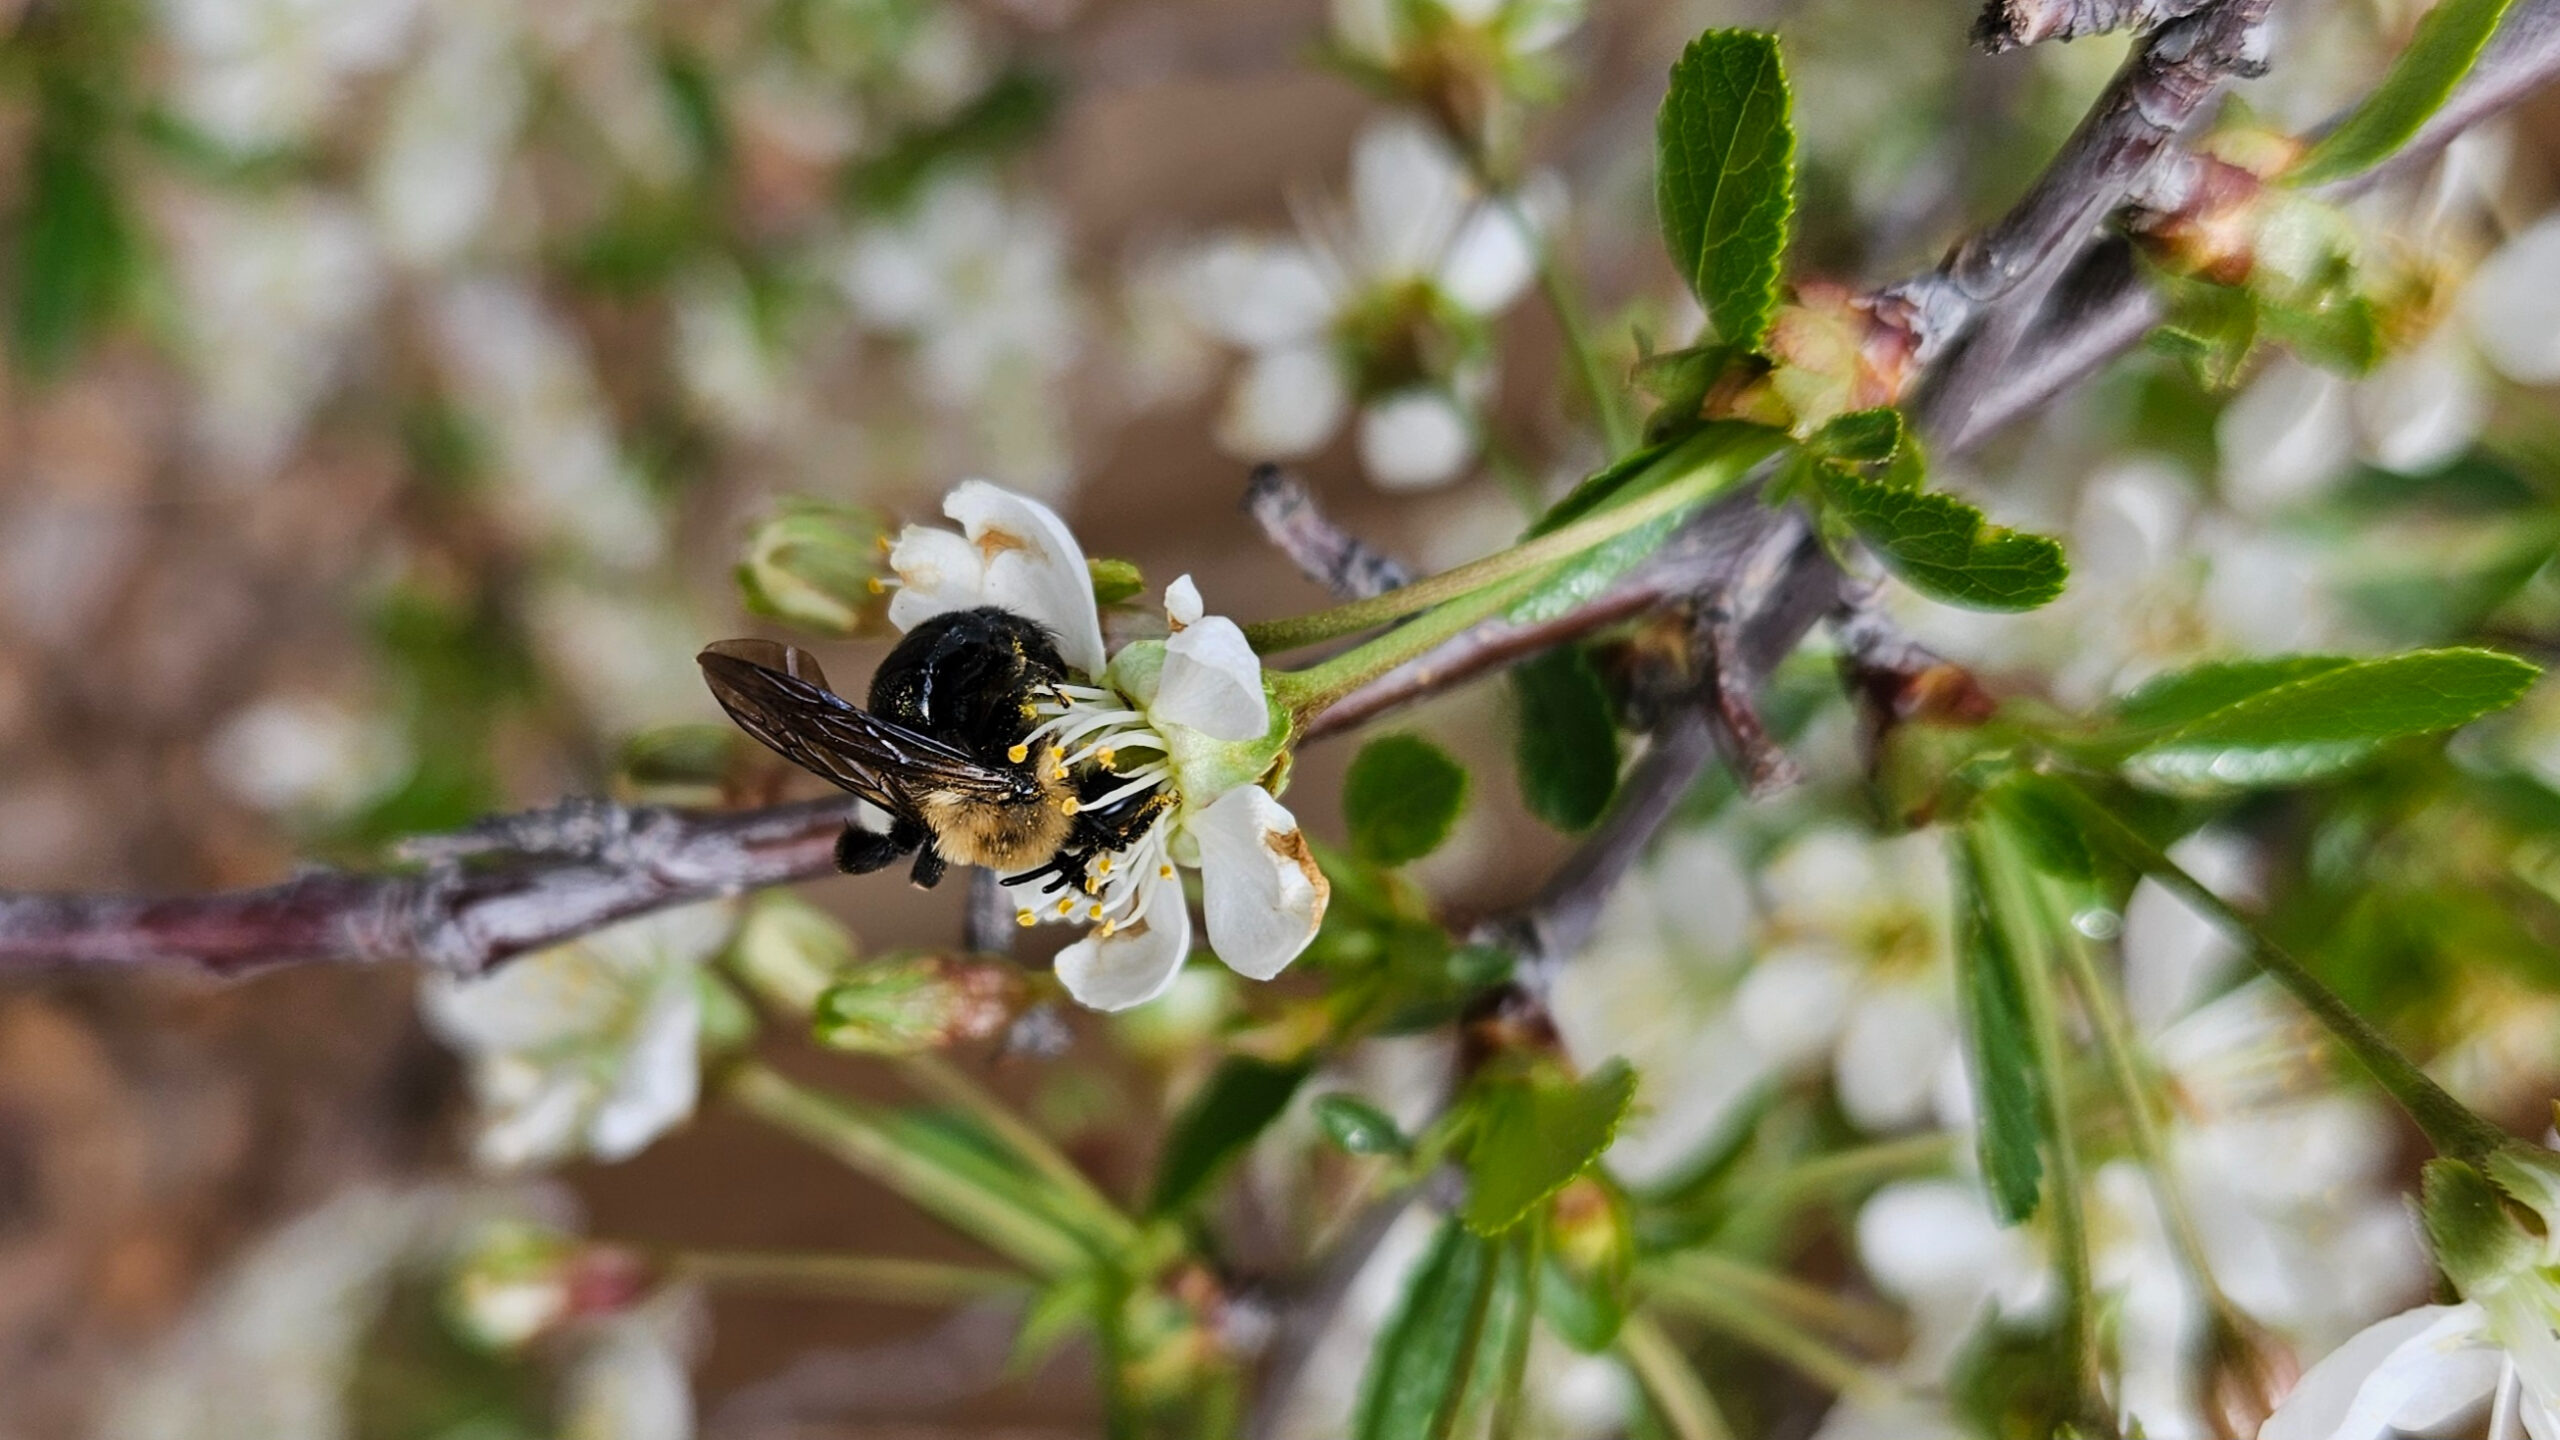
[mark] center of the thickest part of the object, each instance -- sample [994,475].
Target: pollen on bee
[1018,754]
[1069,806]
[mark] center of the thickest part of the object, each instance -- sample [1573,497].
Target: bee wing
[778,694]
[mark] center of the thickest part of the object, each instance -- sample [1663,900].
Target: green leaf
[1568,745]
[1861,437]
[1418,1374]
[2329,716]
[1114,580]
[1999,1049]
[1725,177]
[2042,824]
[1237,1104]
[2447,41]
[1943,547]
[1359,1127]
[1400,798]
[76,250]
[2182,696]
[1535,1132]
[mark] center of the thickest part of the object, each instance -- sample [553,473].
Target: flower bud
[1592,1249]
[789,951]
[820,566]
[903,1004]
[514,1282]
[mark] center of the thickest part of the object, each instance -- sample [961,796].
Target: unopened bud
[2247,1372]
[903,1004]
[1592,1245]
[1838,351]
[2478,1241]
[514,1282]
[789,951]
[820,566]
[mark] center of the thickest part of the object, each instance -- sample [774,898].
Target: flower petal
[1408,194]
[1259,294]
[937,571]
[2360,1388]
[1131,966]
[1414,440]
[1033,566]
[661,1076]
[1212,682]
[1490,262]
[1286,403]
[1259,886]
[2513,304]
[1182,604]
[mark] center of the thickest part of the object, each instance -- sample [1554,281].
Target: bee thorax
[1011,836]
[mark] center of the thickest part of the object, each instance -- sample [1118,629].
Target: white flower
[1510,33]
[261,74]
[588,1048]
[1384,308]
[304,754]
[1184,719]
[2432,1370]
[449,125]
[630,1380]
[2513,305]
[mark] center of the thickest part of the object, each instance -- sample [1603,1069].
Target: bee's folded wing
[778,695]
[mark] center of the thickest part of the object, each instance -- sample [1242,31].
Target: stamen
[1025,918]
[877,585]
[1018,754]
[1105,756]
[1164,872]
[1108,926]
[1066,907]
[1070,805]
[1095,913]
[1103,865]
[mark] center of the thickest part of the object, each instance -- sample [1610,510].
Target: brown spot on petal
[994,541]
[1291,846]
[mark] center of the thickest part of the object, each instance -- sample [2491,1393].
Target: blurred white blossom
[589,1048]
[1382,307]
[263,74]
[305,754]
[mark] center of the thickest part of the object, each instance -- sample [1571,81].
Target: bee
[946,746]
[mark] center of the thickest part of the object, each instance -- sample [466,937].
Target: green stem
[2138,1088]
[1687,1406]
[938,1078]
[1999,873]
[859,1135]
[859,1277]
[1742,1317]
[1845,1170]
[1864,1326]
[1607,402]
[2448,1124]
[1509,1420]
[1704,464]
[1310,692]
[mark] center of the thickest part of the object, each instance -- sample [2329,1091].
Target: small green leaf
[1568,746]
[2329,717]
[2042,824]
[1400,798]
[2000,1049]
[1238,1103]
[1533,1133]
[1418,1373]
[2191,694]
[1360,1128]
[1943,547]
[1621,479]
[1725,177]
[1114,580]
[2447,41]
[1861,437]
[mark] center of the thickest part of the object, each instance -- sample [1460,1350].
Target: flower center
[1120,852]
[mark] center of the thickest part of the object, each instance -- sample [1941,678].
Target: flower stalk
[877,1278]
[2453,1128]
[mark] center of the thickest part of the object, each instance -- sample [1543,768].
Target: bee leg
[860,851]
[929,868]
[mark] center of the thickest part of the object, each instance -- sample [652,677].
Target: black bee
[945,748]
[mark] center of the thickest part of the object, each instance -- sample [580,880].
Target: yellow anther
[1095,913]
[1103,865]
[1108,926]
[877,585]
[1164,872]
[1069,806]
[1024,917]
[1093,884]
[1106,756]
[1018,754]
[1066,907]
[884,542]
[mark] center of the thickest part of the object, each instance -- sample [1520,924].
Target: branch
[551,876]
[2009,24]
[1323,551]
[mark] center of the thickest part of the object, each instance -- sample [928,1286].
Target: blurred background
[393,388]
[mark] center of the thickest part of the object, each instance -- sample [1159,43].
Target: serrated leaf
[1400,797]
[1943,547]
[1358,1127]
[1999,1050]
[1861,437]
[1419,1370]
[1725,177]
[1534,1133]
[2447,41]
[2330,716]
[1568,744]
[1241,1099]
